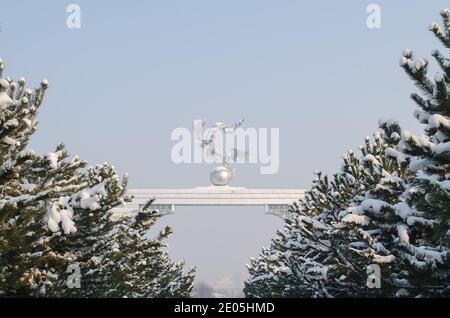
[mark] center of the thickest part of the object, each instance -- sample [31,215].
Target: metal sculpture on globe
[219,152]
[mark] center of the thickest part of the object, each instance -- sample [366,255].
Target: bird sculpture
[224,173]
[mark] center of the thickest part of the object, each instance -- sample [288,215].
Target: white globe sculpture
[220,176]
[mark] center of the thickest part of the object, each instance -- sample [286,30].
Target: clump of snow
[356,219]
[400,157]
[403,234]
[439,78]
[434,26]
[115,248]
[57,215]
[380,259]
[420,220]
[96,260]
[27,122]
[420,64]
[437,120]
[403,61]
[407,53]
[321,270]
[89,202]
[53,217]
[4,84]
[442,147]
[11,123]
[374,205]
[67,224]
[315,223]
[403,210]
[26,153]
[420,141]
[5,100]
[380,248]
[371,158]
[429,255]
[365,235]
[90,198]
[9,141]
[52,158]
[395,135]
[445,184]
[418,164]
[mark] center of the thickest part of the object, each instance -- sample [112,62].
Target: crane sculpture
[222,174]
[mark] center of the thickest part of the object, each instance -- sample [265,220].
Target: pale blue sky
[136,70]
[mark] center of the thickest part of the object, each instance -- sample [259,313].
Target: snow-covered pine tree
[28,184]
[314,254]
[376,220]
[274,273]
[92,215]
[115,254]
[136,264]
[398,219]
[295,263]
[405,221]
[55,213]
[429,195]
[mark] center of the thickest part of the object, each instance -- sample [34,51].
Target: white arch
[275,201]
